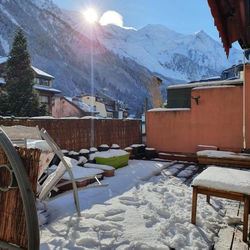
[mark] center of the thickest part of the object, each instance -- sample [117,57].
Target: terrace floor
[147,205]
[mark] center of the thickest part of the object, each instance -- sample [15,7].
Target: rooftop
[153,198]
[206,83]
[42,73]
[40,87]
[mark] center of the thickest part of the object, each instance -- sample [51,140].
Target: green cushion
[115,161]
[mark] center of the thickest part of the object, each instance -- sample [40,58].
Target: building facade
[203,113]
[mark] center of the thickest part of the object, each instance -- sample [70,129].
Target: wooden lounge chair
[66,166]
[226,183]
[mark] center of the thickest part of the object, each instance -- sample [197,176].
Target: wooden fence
[75,134]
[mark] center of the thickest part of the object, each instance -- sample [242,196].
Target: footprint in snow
[107,227]
[129,201]
[103,217]
[113,212]
[150,220]
[88,243]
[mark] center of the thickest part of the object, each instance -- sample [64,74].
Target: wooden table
[211,182]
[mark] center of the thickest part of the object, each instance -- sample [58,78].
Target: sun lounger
[65,166]
[225,183]
[82,176]
[108,170]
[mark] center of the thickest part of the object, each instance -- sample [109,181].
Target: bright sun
[90,15]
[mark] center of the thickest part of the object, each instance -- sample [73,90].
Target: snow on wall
[168,109]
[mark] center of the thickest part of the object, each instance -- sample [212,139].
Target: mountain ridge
[59,45]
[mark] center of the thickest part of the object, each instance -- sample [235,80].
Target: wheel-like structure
[28,199]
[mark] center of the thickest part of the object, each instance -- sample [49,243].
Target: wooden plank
[225,238]
[237,163]
[238,243]
[221,193]
[226,235]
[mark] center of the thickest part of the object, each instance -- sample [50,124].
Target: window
[44,82]
[44,100]
[41,81]
[36,80]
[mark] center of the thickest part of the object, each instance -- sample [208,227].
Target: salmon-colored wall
[247,96]
[216,120]
[62,108]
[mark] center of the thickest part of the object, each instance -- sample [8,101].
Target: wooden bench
[223,158]
[224,183]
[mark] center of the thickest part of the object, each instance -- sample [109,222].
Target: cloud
[111,17]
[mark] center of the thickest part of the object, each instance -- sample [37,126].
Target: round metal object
[12,183]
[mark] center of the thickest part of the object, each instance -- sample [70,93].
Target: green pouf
[114,161]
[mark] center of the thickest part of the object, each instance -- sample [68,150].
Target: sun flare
[90,15]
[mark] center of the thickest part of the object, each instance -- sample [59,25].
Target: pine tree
[22,100]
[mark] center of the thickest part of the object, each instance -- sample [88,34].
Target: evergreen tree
[19,96]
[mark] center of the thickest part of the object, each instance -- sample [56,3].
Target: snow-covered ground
[138,210]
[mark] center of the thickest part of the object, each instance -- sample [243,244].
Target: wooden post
[245,219]
[194,206]
[208,199]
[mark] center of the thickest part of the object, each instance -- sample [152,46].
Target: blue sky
[184,16]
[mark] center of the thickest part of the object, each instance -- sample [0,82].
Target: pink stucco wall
[63,108]
[216,120]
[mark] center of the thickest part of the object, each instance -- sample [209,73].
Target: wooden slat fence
[75,134]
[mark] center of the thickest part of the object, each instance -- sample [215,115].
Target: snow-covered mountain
[186,57]
[60,44]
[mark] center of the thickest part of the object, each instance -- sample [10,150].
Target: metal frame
[26,191]
[13,183]
[44,134]
[57,150]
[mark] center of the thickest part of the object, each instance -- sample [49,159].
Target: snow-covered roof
[81,105]
[168,109]
[39,87]
[2,81]
[3,59]
[42,73]
[37,71]
[201,84]
[214,87]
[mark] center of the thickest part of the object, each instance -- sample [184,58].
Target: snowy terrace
[147,205]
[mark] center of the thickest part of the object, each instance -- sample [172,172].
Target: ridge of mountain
[60,44]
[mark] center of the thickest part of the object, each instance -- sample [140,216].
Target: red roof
[231,17]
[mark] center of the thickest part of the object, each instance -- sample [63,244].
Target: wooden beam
[245,217]
[194,205]
[220,193]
